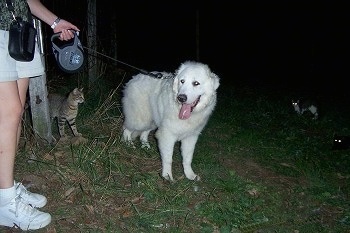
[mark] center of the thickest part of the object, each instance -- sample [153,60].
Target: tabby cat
[65,108]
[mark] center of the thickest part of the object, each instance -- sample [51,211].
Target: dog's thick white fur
[178,108]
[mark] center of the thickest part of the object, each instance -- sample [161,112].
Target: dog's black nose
[182,98]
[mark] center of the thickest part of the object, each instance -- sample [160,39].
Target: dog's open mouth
[186,109]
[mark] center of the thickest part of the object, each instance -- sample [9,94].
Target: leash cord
[155,75]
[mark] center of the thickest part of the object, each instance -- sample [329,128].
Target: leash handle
[57,34]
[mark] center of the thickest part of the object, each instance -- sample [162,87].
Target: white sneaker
[19,214]
[33,199]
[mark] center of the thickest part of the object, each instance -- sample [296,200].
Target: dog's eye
[195,83]
[182,81]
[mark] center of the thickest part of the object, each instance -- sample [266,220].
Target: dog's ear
[216,80]
[181,68]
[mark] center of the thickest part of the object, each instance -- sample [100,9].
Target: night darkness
[282,43]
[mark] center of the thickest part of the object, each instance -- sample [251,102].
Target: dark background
[296,44]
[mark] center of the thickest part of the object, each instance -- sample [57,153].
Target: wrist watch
[55,22]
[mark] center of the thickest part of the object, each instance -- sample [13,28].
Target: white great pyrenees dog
[177,107]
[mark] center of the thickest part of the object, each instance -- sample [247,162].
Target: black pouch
[22,40]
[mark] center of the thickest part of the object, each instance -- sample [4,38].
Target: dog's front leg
[144,139]
[187,149]
[127,137]
[166,148]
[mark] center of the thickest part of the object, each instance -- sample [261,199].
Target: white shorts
[12,70]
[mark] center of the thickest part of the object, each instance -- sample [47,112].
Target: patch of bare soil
[248,168]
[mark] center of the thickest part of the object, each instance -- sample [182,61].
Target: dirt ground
[92,213]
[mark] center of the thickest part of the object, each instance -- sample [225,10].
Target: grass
[263,169]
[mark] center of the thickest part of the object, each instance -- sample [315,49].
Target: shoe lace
[22,189]
[23,207]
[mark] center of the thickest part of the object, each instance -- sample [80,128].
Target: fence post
[39,104]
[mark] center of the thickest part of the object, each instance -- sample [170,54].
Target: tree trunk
[92,42]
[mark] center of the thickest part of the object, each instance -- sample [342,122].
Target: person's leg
[12,99]
[10,113]
[17,205]
[34,199]
[23,84]
[15,210]
[10,118]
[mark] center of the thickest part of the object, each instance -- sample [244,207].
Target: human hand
[65,28]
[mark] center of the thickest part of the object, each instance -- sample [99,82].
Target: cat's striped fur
[65,108]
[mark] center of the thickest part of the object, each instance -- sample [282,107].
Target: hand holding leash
[65,28]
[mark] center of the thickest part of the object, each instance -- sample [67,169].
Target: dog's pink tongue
[185,111]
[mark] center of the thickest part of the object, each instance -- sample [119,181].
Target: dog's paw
[197,178]
[190,174]
[130,144]
[194,177]
[145,145]
[168,177]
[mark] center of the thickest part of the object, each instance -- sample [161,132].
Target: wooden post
[39,103]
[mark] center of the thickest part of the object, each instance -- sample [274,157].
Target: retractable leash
[152,74]
[69,56]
